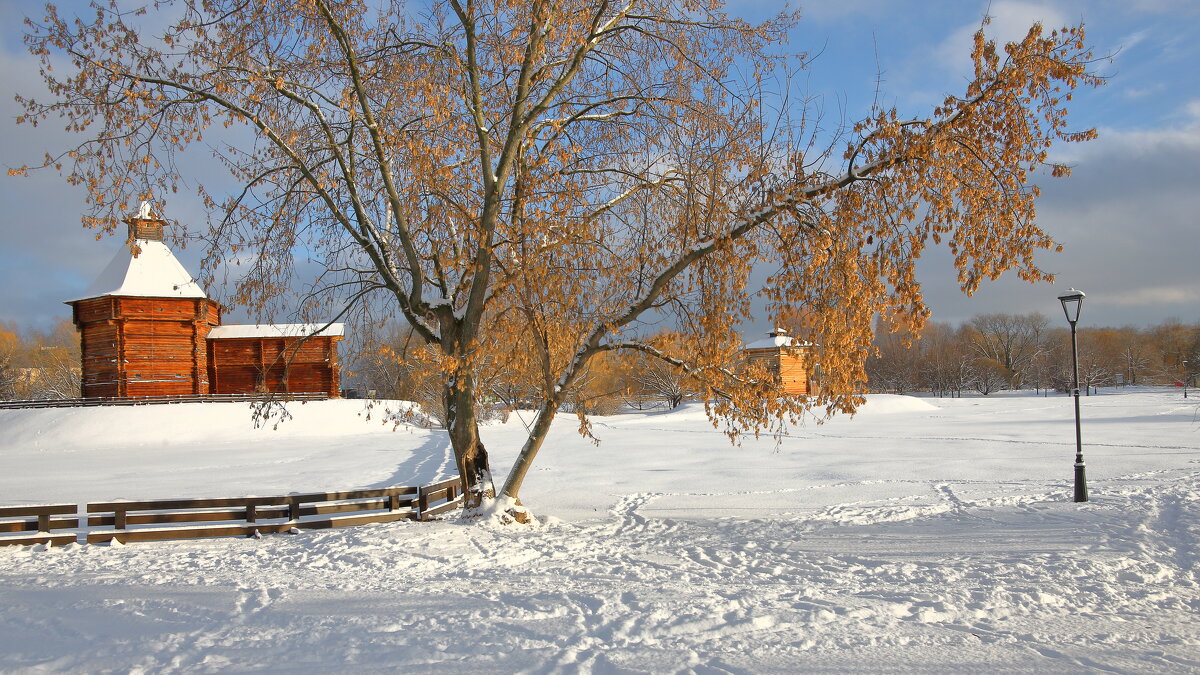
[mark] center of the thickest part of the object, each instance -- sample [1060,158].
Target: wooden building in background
[146,328]
[790,362]
[287,358]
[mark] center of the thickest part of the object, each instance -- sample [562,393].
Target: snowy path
[814,564]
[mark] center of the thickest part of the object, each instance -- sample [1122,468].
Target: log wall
[135,346]
[790,367]
[274,364]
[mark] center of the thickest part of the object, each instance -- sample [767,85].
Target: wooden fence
[240,516]
[36,524]
[151,400]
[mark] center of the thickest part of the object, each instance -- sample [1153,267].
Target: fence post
[119,519]
[294,509]
[422,502]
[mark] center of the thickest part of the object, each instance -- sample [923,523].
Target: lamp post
[1072,301]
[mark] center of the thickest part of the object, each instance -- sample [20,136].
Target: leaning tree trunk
[541,428]
[474,471]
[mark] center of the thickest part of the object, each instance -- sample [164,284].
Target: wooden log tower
[143,325]
[790,362]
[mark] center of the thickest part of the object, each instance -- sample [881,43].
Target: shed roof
[276,330]
[153,273]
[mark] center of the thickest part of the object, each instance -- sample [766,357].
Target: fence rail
[158,400]
[165,519]
[37,523]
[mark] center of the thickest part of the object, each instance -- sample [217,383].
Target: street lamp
[1072,301]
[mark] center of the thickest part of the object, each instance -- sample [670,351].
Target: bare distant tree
[657,381]
[946,359]
[1011,341]
[10,344]
[1043,371]
[1171,342]
[1137,356]
[1191,365]
[988,375]
[53,360]
[895,367]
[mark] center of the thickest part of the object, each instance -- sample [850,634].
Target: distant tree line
[993,352]
[388,365]
[39,364]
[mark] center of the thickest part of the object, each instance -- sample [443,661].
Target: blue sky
[1127,217]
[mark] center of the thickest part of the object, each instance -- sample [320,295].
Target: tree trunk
[474,471]
[541,427]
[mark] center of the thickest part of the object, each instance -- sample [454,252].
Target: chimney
[146,225]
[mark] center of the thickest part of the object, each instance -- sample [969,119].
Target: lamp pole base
[1081,492]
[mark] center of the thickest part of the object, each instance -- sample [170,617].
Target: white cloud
[1142,92]
[1182,137]
[1156,295]
[1010,21]
[1133,39]
[1184,7]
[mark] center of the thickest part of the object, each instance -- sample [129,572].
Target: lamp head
[1072,301]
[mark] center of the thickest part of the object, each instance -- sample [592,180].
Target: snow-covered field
[923,535]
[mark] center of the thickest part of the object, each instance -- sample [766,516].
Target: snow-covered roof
[276,330]
[772,342]
[153,273]
[776,339]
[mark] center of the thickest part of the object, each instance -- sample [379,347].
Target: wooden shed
[790,362]
[280,358]
[144,323]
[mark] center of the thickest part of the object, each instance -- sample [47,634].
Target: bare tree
[52,364]
[946,359]
[1191,364]
[1009,340]
[1136,355]
[658,381]
[1173,342]
[896,365]
[988,375]
[10,344]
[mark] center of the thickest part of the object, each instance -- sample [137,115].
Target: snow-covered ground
[923,535]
